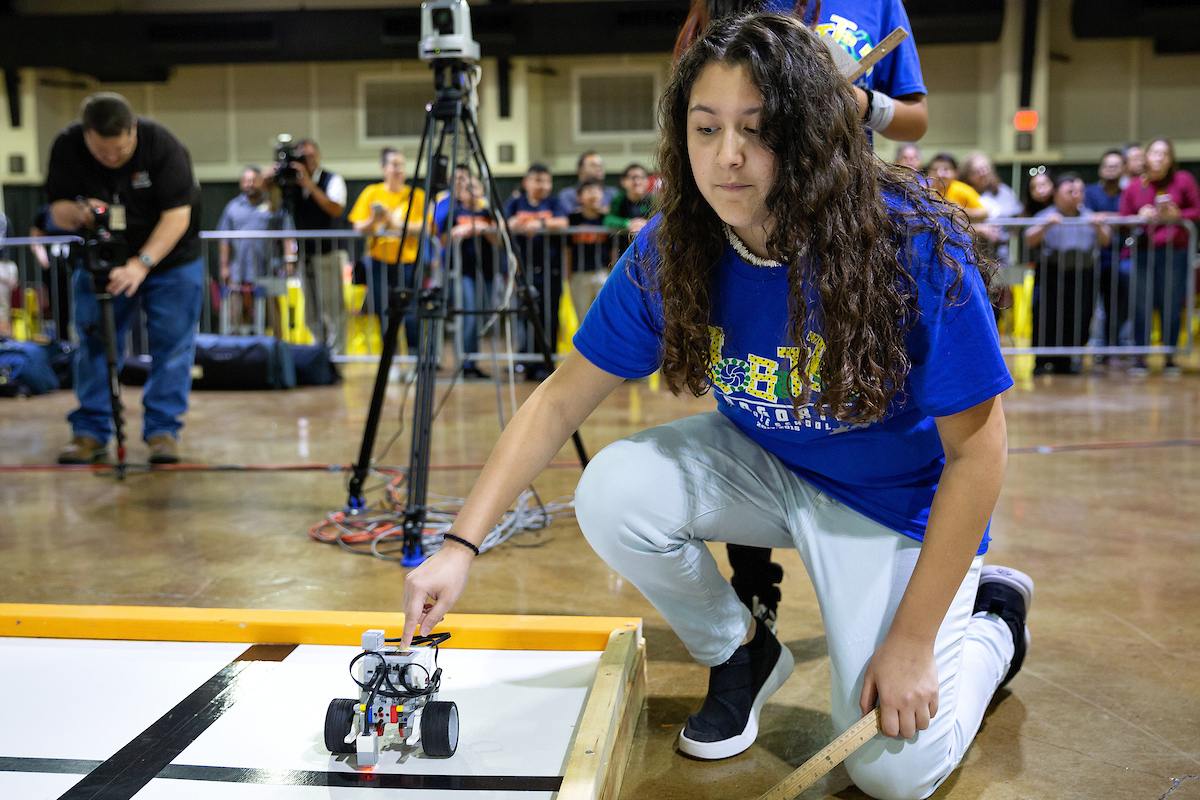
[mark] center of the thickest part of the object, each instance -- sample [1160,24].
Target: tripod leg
[397,303]
[395,319]
[109,329]
[525,300]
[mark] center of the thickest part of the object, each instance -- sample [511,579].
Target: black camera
[104,244]
[285,153]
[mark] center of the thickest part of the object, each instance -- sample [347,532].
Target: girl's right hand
[431,589]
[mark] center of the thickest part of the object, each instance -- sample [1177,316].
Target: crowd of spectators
[1138,270]
[1124,272]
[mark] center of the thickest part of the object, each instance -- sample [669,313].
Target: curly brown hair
[831,224]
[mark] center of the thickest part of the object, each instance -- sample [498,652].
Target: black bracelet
[870,104]
[461,541]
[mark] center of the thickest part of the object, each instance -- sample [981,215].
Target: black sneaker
[470,370]
[727,723]
[1007,593]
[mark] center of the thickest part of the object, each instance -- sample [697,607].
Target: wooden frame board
[603,739]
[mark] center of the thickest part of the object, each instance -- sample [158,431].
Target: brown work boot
[82,450]
[163,449]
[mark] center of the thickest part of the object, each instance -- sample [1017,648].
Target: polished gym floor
[1101,506]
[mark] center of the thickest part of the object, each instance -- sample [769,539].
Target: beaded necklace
[744,252]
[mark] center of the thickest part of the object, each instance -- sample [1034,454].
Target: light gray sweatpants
[649,503]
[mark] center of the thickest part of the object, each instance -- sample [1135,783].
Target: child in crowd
[631,207]
[531,215]
[943,177]
[590,253]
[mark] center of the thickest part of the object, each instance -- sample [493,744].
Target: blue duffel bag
[242,362]
[24,369]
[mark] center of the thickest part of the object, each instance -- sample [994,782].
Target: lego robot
[395,687]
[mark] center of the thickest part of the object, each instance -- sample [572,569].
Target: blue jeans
[171,300]
[471,301]
[377,295]
[1159,284]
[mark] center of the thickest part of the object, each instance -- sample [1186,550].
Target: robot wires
[381,684]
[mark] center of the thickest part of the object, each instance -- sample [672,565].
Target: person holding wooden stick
[840,314]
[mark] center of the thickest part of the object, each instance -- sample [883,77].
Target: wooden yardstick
[876,53]
[834,753]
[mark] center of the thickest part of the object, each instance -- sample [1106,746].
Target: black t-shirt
[589,251]
[156,179]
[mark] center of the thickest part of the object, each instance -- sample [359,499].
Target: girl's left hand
[902,677]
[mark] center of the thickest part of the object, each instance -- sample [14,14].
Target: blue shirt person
[858,26]
[533,216]
[245,260]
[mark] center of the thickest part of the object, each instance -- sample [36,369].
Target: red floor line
[1041,449]
[1062,448]
[143,468]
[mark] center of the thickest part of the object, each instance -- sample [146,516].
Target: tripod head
[105,245]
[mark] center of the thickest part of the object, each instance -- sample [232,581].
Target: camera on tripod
[446,31]
[105,245]
[285,153]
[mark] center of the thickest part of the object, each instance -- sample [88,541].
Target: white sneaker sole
[713,751]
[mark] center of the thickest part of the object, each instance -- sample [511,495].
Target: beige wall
[1091,95]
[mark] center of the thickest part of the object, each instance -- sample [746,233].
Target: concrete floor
[1107,706]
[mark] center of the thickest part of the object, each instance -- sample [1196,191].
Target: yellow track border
[261,626]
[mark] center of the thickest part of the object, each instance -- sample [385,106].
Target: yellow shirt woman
[383,248]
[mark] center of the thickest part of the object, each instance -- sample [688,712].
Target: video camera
[285,153]
[104,244]
[446,32]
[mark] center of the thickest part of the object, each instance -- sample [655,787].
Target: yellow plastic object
[20,325]
[33,312]
[1022,325]
[151,623]
[291,312]
[362,328]
[568,321]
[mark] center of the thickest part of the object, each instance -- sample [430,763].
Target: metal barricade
[579,258]
[291,284]
[36,291]
[1071,294]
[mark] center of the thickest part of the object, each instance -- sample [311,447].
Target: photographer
[112,158]
[317,202]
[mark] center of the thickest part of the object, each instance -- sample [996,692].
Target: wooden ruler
[835,753]
[873,56]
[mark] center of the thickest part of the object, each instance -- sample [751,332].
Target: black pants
[1063,303]
[1114,294]
[754,574]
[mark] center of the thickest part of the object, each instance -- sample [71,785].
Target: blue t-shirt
[859,25]
[888,470]
[479,262]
